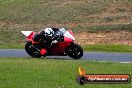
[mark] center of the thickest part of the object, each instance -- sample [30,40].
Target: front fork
[41,51]
[33,47]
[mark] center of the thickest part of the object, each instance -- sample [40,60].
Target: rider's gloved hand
[54,41]
[60,38]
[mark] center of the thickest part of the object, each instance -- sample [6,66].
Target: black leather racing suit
[44,42]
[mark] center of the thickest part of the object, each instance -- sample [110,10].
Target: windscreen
[62,31]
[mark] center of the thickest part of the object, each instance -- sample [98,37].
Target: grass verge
[12,46]
[55,73]
[108,48]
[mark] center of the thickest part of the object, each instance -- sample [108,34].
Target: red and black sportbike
[63,48]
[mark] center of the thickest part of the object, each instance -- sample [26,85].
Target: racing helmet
[48,33]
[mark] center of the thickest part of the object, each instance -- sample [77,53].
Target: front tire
[31,51]
[74,51]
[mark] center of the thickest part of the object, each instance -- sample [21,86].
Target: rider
[45,38]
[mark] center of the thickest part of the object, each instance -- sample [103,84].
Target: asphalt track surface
[98,56]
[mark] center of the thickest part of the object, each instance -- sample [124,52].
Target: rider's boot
[43,52]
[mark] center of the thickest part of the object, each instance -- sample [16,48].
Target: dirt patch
[113,37]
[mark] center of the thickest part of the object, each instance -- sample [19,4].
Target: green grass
[52,11]
[51,73]
[105,28]
[113,18]
[48,11]
[12,46]
[108,48]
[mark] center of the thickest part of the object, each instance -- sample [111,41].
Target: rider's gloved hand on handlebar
[59,38]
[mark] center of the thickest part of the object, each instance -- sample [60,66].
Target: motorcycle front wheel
[31,50]
[74,51]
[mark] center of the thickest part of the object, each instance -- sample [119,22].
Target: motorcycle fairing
[29,36]
[69,35]
[27,33]
[59,47]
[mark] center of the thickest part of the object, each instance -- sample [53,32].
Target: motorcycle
[61,48]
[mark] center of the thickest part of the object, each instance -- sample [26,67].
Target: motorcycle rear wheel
[74,51]
[31,51]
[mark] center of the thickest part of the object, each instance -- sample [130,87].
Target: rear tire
[74,51]
[32,52]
